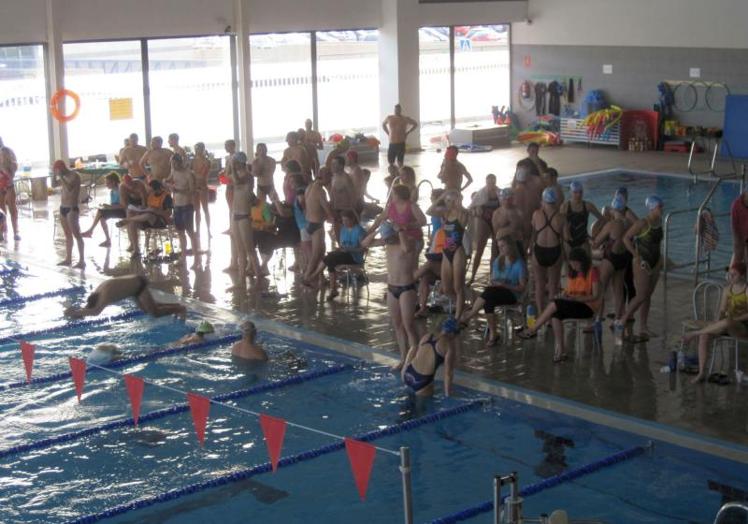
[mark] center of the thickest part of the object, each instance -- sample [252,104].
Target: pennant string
[245,411]
[229,406]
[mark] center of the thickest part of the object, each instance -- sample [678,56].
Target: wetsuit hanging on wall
[554,98]
[570,92]
[540,91]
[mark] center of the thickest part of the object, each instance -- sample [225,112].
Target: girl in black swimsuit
[547,224]
[577,212]
[643,241]
[615,256]
[485,202]
[454,260]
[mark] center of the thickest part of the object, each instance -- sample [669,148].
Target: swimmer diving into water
[119,288]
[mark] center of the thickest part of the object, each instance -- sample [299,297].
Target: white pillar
[55,80]
[241,23]
[398,62]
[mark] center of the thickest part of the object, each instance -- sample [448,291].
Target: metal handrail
[727,507]
[712,171]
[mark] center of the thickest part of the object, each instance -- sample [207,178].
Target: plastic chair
[351,273]
[706,299]
[158,237]
[579,325]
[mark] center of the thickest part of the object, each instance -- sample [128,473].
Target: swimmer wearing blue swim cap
[653,202]
[423,361]
[618,203]
[549,196]
[644,240]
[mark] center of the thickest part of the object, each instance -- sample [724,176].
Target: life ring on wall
[55,101]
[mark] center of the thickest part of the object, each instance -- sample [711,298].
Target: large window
[348,81]
[434,66]
[481,65]
[190,90]
[281,70]
[23,104]
[109,80]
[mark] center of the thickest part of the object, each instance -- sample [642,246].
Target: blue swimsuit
[415,380]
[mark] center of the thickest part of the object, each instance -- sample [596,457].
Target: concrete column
[398,63]
[55,80]
[241,23]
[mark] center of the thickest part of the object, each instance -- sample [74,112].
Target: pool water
[454,459]
[678,193]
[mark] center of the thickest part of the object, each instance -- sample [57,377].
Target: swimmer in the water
[424,360]
[247,348]
[198,336]
[119,288]
[103,354]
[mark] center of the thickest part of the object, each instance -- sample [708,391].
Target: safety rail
[712,171]
[697,261]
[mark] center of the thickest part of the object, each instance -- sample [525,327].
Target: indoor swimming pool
[61,461]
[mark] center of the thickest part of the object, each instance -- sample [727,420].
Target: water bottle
[681,360]
[531,316]
[673,362]
[597,329]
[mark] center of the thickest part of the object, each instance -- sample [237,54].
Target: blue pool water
[454,459]
[678,192]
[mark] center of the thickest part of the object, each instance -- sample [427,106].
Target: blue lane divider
[267,467]
[73,325]
[60,292]
[9,272]
[145,357]
[171,410]
[543,485]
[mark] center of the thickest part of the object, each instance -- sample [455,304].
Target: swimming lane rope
[267,467]
[70,326]
[10,272]
[145,357]
[171,410]
[60,292]
[545,484]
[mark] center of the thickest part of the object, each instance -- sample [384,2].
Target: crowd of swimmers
[540,233]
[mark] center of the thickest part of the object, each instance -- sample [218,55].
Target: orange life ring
[55,101]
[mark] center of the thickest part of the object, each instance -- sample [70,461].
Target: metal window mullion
[315,103]
[145,73]
[48,93]
[235,86]
[452,76]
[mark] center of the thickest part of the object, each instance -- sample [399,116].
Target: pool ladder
[509,511]
[717,177]
[732,513]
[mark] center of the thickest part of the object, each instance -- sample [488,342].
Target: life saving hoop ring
[55,101]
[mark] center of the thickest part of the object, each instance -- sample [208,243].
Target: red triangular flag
[274,430]
[27,352]
[361,456]
[135,387]
[78,367]
[199,406]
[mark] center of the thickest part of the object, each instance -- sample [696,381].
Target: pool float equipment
[600,123]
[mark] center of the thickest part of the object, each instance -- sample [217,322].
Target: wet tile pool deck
[624,379]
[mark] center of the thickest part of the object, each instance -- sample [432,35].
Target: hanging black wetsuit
[540,91]
[554,98]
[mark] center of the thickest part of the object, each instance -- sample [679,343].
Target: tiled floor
[622,379]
